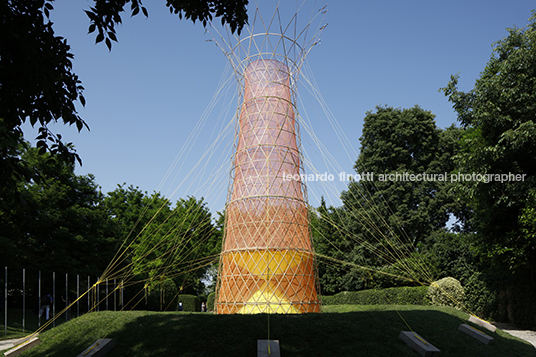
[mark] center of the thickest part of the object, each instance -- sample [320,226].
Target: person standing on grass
[46,301]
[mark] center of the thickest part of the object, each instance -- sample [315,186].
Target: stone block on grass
[262,348]
[99,348]
[26,345]
[419,344]
[482,323]
[477,334]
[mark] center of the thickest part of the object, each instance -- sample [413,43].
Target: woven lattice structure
[267,262]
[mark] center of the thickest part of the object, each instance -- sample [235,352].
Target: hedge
[189,303]
[392,296]
[210,301]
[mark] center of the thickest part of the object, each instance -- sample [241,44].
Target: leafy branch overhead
[37,82]
[106,14]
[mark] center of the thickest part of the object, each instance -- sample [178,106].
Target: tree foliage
[37,82]
[403,142]
[499,116]
[383,221]
[37,86]
[60,224]
[330,241]
[105,14]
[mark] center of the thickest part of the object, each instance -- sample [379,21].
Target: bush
[189,303]
[481,299]
[392,296]
[446,292]
[210,301]
[162,295]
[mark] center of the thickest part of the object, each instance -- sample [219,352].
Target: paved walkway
[7,344]
[527,335]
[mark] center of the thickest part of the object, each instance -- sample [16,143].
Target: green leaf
[100,37]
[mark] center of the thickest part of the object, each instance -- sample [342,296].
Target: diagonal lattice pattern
[267,263]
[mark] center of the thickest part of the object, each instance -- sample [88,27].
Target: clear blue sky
[145,97]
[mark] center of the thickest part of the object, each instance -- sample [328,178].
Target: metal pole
[5,304]
[115,300]
[23,300]
[66,296]
[77,295]
[122,297]
[88,293]
[106,294]
[98,292]
[53,299]
[39,304]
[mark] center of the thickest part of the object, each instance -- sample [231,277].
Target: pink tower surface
[267,263]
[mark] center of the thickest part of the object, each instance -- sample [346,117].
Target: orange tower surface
[267,263]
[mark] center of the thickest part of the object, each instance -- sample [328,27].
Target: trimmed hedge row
[189,303]
[392,296]
[210,301]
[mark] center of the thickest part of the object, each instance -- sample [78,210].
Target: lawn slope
[343,330]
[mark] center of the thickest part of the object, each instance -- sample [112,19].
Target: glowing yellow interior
[267,263]
[268,300]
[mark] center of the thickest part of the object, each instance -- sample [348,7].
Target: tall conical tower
[267,262]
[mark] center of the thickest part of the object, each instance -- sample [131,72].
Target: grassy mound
[344,330]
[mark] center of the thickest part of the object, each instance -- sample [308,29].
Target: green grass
[343,330]
[14,323]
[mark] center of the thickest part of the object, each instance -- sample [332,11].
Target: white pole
[77,295]
[5,304]
[66,296]
[53,299]
[23,300]
[106,294]
[39,305]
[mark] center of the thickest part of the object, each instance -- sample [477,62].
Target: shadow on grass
[360,333]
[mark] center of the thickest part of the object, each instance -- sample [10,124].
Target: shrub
[162,295]
[481,299]
[189,303]
[446,292]
[391,296]
[210,301]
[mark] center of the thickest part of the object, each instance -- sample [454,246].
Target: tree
[60,225]
[38,84]
[332,246]
[389,216]
[106,14]
[130,210]
[178,243]
[403,141]
[498,114]
[500,139]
